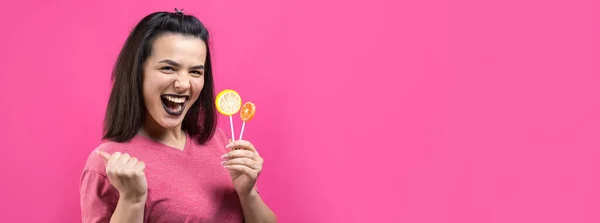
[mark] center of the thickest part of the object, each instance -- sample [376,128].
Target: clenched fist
[126,174]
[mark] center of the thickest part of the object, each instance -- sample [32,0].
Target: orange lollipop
[248,110]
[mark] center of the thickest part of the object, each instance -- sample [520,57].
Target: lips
[174,104]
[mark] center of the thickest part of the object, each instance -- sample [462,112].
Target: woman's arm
[244,165]
[128,211]
[255,209]
[126,174]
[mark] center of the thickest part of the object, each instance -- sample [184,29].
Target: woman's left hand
[244,165]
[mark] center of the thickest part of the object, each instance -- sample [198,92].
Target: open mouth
[174,104]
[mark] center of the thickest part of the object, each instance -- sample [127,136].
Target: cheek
[153,84]
[197,86]
[146,89]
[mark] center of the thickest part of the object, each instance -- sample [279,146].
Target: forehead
[181,48]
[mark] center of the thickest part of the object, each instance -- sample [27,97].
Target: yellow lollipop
[229,102]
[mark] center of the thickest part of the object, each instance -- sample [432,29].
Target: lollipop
[228,103]
[248,110]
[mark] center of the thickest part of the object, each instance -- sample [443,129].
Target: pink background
[368,111]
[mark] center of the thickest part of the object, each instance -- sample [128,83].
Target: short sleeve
[98,198]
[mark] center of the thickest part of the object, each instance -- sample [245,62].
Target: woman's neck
[174,137]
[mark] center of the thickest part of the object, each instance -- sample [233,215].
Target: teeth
[175,99]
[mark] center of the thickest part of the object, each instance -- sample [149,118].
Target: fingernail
[226,167]
[224,156]
[229,146]
[97,152]
[222,163]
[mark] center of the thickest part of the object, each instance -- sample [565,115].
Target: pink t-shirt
[183,186]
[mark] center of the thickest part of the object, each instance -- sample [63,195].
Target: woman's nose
[182,82]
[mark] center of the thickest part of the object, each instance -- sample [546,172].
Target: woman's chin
[165,120]
[170,122]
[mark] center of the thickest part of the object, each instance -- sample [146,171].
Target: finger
[113,158]
[238,154]
[241,144]
[104,155]
[242,161]
[140,166]
[123,159]
[132,161]
[241,168]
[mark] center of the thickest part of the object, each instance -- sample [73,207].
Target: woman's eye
[195,72]
[167,68]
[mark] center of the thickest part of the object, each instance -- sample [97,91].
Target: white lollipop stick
[241,133]
[232,133]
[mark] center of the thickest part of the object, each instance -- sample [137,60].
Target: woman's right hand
[126,174]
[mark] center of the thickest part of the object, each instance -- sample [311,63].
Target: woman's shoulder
[221,135]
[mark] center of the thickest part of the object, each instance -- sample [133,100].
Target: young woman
[164,160]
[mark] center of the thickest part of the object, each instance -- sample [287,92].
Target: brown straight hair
[126,111]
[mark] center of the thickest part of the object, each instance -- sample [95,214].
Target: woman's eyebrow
[170,62]
[173,63]
[197,67]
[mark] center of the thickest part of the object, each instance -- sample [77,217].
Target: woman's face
[173,77]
